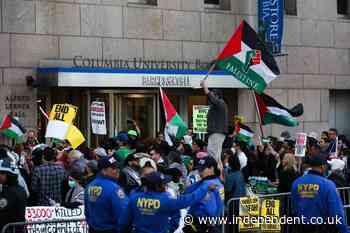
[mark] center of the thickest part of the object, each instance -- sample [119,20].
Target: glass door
[140,108]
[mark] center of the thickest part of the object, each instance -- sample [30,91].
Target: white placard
[98,118]
[66,218]
[300,144]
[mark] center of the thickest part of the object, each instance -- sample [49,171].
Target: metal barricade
[232,208]
[58,226]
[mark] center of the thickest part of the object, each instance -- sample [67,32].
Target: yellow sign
[270,212]
[249,214]
[63,112]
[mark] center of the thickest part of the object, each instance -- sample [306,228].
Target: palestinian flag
[243,133]
[11,128]
[246,57]
[273,112]
[175,127]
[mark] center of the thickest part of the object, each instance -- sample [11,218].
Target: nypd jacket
[213,203]
[104,203]
[149,212]
[315,196]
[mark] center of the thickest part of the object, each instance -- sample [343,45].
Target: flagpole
[212,67]
[258,112]
[42,110]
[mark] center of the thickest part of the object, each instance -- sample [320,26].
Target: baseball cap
[132,156]
[122,137]
[316,160]
[100,152]
[206,162]
[147,161]
[6,165]
[157,178]
[108,161]
[132,133]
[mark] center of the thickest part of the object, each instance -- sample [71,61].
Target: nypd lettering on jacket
[105,202]
[151,212]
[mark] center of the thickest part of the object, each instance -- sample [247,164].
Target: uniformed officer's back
[212,204]
[104,199]
[149,211]
[314,196]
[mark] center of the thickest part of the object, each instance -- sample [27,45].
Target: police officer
[149,211]
[12,195]
[104,198]
[315,201]
[212,205]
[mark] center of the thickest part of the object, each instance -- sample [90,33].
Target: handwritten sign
[200,113]
[270,211]
[300,144]
[68,219]
[249,213]
[98,118]
[63,112]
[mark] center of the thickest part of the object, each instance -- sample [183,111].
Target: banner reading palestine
[246,57]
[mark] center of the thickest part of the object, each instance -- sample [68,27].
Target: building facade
[173,34]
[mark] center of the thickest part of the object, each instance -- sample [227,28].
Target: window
[342,7]
[290,7]
[214,2]
[146,2]
[217,4]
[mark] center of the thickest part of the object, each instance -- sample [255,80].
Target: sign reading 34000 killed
[68,220]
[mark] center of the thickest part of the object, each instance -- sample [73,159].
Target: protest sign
[300,144]
[68,219]
[270,211]
[63,112]
[98,118]
[248,213]
[200,113]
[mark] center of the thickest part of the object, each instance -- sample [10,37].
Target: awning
[105,77]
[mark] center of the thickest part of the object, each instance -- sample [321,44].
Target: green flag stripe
[270,118]
[236,67]
[242,137]
[182,129]
[10,134]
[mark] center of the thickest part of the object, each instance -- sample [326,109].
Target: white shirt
[242,159]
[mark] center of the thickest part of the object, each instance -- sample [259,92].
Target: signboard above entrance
[102,77]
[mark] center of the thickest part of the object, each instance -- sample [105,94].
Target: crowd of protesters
[34,174]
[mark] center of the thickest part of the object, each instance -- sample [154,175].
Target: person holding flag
[217,121]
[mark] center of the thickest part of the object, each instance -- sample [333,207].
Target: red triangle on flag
[234,44]
[169,109]
[6,122]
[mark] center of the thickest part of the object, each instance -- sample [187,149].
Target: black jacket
[217,121]
[12,205]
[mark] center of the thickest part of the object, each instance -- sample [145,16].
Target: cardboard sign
[200,113]
[249,211]
[270,211]
[49,213]
[300,144]
[63,112]
[98,118]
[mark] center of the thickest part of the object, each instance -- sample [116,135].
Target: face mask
[71,183]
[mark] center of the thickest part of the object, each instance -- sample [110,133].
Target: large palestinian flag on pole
[11,128]
[246,57]
[272,112]
[243,132]
[175,127]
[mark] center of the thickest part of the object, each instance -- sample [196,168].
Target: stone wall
[317,43]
